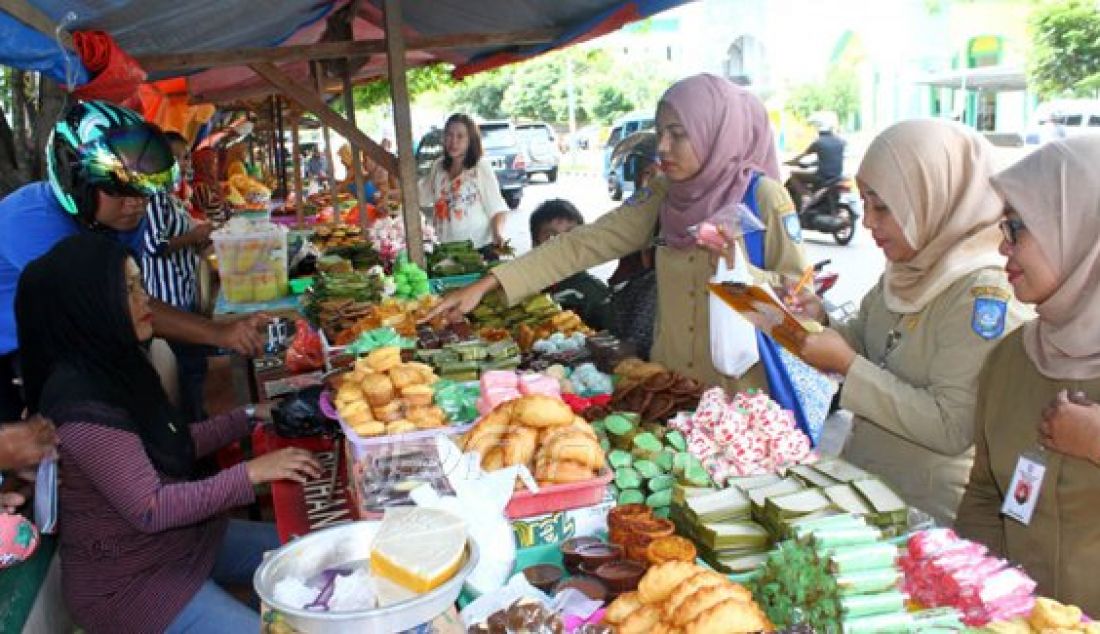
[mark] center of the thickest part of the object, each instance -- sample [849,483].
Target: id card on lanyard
[1027,482]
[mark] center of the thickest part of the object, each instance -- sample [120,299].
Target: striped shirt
[136,545]
[169,277]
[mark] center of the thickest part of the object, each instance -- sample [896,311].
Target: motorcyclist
[104,162]
[829,148]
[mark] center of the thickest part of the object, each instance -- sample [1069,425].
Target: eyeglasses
[1011,228]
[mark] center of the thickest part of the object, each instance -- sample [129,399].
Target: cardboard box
[553,528]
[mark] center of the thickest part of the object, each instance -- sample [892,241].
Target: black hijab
[80,351]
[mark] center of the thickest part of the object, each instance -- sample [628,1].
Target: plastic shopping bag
[732,338]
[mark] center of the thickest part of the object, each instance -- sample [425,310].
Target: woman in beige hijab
[911,356]
[1037,394]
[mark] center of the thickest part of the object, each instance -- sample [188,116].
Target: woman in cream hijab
[1037,395]
[911,356]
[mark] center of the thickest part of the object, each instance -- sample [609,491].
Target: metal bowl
[307,556]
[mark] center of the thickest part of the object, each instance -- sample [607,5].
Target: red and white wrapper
[789,448]
[701,445]
[708,414]
[747,448]
[682,423]
[719,469]
[730,426]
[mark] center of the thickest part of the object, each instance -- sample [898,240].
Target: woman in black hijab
[144,541]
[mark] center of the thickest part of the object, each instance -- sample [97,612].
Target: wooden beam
[311,101]
[298,163]
[402,119]
[315,70]
[331,50]
[28,14]
[356,157]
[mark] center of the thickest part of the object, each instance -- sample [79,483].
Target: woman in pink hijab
[716,150]
[1034,488]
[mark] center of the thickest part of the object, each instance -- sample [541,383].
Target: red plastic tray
[562,497]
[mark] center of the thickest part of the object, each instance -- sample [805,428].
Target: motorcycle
[832,207]
[825,280]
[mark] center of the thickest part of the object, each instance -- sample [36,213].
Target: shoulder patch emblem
[988,317]
[638,197]
[793,227]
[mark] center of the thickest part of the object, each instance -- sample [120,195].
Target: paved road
[859,264]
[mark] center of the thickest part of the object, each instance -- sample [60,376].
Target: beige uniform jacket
[913,386]
[1060,548]
[682,333]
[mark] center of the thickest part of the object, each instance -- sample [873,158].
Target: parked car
[1062,118]
[624,127]
[501,145]
[541,145]
[507,156]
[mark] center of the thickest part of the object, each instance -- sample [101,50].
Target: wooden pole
[312,100]
[402,118]
[296,148]
[356,161]
[316,69]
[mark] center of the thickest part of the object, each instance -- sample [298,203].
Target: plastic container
[253,264]
[442,285]
[308,555]
[362,447]
[561,497]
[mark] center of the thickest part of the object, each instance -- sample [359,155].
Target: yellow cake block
[418,548]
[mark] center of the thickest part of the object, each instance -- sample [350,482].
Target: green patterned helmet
[96,145]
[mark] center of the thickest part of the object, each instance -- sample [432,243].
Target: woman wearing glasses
[1033,492]
[911,356]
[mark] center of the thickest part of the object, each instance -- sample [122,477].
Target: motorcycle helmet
[97,145]
[824,121]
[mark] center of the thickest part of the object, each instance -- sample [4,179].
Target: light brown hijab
[934,176]
[1056,191]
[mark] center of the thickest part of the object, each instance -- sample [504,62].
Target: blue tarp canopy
[159,28]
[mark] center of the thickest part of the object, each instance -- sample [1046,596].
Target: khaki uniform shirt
[1060,548]
[913,386]
[682,334]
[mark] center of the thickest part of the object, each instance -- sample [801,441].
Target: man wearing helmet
[104,162]
[829,148]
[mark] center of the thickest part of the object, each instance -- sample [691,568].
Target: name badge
[1023,491]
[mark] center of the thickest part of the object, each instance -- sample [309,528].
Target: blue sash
[779,381]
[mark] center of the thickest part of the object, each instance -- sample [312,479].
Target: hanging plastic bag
[732,338]
[724,227]
[305,354]
[115,75]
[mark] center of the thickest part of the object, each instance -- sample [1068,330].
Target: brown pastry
[401,426]
[730,616]
[537,410]
[493,460]
[519,445]
[372,428]
[622,607]
[378,389]
[698,602]
[575,447]
[404,376]
[660,580]
[691,585]
[641,621]
[384,359]
[562,471]
[388,413]
[417,395]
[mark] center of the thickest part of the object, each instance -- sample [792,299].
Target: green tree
[838,93]
[608,103]
[482,94]
[1066,48]
[420,80]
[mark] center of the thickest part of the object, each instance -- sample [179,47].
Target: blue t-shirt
[31,222]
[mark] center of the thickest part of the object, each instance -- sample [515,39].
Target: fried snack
[372,428]
[575,447]
[627,604]
[384,359]
[417,395]
[378,389]
[519,445]
[349,392]
[698,581]
[427,417]
[729,617]
[541,411]
[403,376]
[1050,614]
[561,472]
[353,409]
[641,621]
[487,433]
[400,426]
[493,460]
[670,548]
[388,413]
[660,580]
[698,602]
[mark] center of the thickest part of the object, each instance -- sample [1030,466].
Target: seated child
[583,294]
